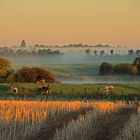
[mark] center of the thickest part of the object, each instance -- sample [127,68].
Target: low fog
[77,58]
[71,58]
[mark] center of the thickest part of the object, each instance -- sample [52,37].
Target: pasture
[122,91]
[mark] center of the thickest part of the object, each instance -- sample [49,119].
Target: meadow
[122,91]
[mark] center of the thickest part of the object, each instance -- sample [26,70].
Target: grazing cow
[14,90]
[45,89]
[109,89]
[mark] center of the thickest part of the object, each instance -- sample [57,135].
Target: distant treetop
[23,43]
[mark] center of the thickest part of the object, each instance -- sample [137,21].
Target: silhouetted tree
[112,52]
[137,53]
[23,43]
[95,52]
[102,52]
[88,51]
[106,68]
[131,52]
[122,68]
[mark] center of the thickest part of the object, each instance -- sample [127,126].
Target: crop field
[68,120]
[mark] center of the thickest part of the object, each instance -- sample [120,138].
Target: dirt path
[48,131]
[109,126]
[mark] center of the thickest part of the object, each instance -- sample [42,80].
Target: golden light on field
[36,111]
[105,106]
[70,21]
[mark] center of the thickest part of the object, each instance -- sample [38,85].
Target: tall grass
[131,130]
[78,129]
[84,128]
[21,119]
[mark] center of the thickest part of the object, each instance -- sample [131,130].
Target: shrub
[31,75]
[122,68]
[5,66]
[106,68]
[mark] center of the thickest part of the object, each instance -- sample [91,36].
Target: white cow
[109,89]
[14,90]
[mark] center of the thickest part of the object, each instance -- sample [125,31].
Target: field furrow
[109,125]
[48,131]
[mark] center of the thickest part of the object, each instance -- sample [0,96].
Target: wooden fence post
[98,89]
[61,91]
[72,90]
[122,91]
[85,90]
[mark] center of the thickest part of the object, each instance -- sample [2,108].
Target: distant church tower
[23,43]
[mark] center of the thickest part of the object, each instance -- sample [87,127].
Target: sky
[114,22]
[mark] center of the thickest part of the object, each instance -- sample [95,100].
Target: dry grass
[20,119]
[131,130]
[85,126]
[78,129]
[23,119]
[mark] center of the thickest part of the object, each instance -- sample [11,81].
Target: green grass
[126,91]
[72,69]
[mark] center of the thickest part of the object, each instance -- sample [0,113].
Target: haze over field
[114,22]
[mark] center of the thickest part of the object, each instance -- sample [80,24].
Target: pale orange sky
[70,21]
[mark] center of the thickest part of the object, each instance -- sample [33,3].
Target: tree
[131,52]
[95,52]
[137,52]
[88,51]
[122,68]
[31,75]
[23,43]
[106,68]
[136,62]
[5,65]
[133,69]
[102,52]
[112,52]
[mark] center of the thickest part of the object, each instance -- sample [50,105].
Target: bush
[31,75]
[5,66]
[106,68]
[122,68]
[133,69]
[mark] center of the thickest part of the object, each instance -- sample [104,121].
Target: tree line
[131,52]
[123,68]
[23,52]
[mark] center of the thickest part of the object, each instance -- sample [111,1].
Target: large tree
[5,65]
[106,68]
[31,75]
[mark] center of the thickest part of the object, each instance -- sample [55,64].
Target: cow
[109,89]
[15,90]
[45,89]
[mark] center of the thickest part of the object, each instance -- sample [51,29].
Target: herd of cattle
[47,90]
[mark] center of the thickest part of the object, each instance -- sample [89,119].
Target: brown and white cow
[45,89]
[109,89]
[15,90]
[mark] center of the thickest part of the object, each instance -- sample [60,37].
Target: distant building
[23,43]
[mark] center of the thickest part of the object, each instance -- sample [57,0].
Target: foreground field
[68,120]
[122,91]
